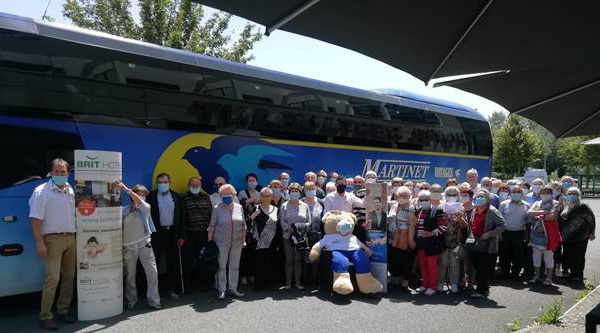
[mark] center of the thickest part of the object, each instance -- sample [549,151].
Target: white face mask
[536,189]
[451,199]
[370,181]
[425,204]
[495,190]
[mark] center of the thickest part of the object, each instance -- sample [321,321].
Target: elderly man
[536,188]
[312,177]
[472,179]
[52,218]
[512,246]
[486,183]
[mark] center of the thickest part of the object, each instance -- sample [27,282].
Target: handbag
[538,237]
[475,244]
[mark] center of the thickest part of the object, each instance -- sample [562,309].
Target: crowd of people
[440,238]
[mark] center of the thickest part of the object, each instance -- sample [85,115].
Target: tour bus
[63,89]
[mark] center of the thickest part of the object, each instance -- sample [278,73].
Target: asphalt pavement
[310,310]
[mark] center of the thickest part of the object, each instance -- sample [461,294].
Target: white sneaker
[286,287]
[429,292]
[244,281]
[299,287]
[421,290]
[440,287]
[453,288]
[221,295]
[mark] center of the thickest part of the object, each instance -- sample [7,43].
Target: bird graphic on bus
[234,158]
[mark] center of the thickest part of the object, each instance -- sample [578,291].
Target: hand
[41,249]
[255,214]
[118,184]
[592,237]
[369,243]
[244,244]
[427,234]
[180,242]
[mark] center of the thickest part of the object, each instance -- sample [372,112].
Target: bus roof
[120,44]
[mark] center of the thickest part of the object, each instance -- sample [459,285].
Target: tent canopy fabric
[549,49]
[595,141]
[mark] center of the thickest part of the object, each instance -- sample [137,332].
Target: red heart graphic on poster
[86,207]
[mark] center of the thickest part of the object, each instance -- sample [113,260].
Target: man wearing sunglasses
[215,198]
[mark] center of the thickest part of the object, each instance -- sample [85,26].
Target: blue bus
[64,88]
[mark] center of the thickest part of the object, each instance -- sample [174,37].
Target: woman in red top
[486,226]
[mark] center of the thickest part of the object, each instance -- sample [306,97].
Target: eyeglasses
[219,184]
[451,195]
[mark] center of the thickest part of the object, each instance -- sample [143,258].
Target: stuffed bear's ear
[331,212]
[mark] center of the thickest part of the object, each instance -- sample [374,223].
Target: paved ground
[306,311]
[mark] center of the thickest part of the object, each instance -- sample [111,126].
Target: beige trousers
[61,259]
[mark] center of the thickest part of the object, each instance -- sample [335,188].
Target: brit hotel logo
[409,170]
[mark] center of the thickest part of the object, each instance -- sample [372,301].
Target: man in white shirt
[52,218]
[340,199]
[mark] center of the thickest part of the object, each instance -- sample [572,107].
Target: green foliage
[514,325]
[587,289]
[551,314]
[173,23]
[497,120]
[515,147]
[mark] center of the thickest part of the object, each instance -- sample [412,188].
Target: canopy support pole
[290,16]
[553,98]
[460,40]
[579,124]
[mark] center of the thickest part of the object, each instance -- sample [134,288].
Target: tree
[173,23]
[497,120]
[515,147]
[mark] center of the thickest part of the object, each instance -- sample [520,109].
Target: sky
[299,55]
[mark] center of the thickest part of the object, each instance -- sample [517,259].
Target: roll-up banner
[99,234]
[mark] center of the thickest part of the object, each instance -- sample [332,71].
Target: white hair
[474,171]
[371,173]
[266,190]
[403,190]
[330,186]
[424,193]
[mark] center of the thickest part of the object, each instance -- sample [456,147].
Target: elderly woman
[401,231]
[485,228]
[449,260]
[316,213]
[578,226]
[293,212]
[228,229]
[544,214]
[431,226]
[137,228]
[264,227]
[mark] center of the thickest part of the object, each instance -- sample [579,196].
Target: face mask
[194,190]
[349,188]
[436,196]
[479,201]
[403,201]
[227,199]
[536,189]
[163,187]
[294,195]
[495,190]
[370,180]
[425,204]
[515,196]
[252,185]
[571,197]
[285,182]
[451,199]
[416,190]
[555,193]
[321,180]
[464,198]
[276,192]
[546,197]
[566,185]
[394,189]
[310,193]
[59,180]
[503,195]
[265,201]
[341,189]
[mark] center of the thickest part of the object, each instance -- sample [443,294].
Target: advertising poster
[99,234]
[376,206]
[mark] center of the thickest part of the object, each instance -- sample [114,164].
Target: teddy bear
[345,248]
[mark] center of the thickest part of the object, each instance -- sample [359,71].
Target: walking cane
[181,271]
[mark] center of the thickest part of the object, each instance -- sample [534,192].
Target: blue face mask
[285,182]
[194,190]
[227,199]
[59,180]
[571,197]
[349,188]
[252,185]
[311,193]
[566,186]
[546,197]
[276,191]
[503,195]
[163,187]
[479,201]
[294,195]
[516,196]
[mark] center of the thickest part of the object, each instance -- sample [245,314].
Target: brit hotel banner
[99,234]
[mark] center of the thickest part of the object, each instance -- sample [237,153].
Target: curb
[579,302]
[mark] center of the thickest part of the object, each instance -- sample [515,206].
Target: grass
[514,325]
[587,289]
[550,314]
